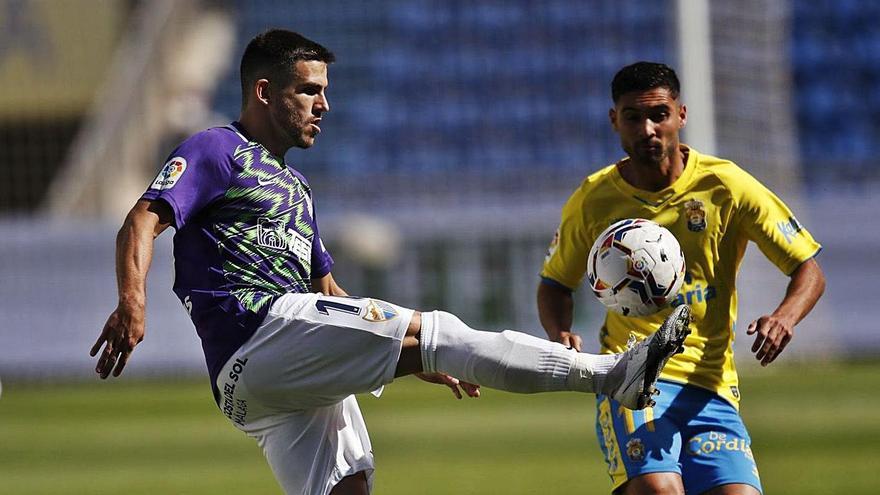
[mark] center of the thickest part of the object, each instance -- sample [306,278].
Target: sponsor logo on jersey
[635,450]
[697,294]
[552,247]
[272,234]
[265,181]
[170,174]
[790,229]
[379,311]
[696,215]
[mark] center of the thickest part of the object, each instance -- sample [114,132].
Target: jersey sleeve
[770,224]
[195,174]
[322,262]
[566,260]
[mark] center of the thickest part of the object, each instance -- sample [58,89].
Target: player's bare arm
[453,383]
[556,310]
[773,332]
[327,285]
[134,252]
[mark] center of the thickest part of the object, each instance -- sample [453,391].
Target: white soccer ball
[636,267]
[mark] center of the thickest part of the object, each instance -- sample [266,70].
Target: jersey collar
[241,131]
[656,199]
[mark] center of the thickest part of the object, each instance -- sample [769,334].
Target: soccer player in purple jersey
[285,346]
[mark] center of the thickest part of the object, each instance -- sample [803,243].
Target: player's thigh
[717,451]
[653,484]
[311,452]
[356,484]
[313,350]
[733,489]
[638,443]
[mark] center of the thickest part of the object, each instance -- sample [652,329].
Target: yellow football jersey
[713,209]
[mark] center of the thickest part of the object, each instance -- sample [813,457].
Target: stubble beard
[654,159]
[302,142]
[301,139]
[293,128]
[638,156]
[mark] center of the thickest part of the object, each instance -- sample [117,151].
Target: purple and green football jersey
[246,234]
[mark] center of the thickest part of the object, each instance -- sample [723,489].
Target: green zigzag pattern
[258,163]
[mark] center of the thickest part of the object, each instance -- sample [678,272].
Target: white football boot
[631,380]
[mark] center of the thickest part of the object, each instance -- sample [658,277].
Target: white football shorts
[291,385]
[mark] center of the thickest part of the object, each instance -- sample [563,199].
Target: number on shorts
[324,306]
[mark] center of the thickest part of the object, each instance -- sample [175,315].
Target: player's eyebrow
[652,108]
[310,86]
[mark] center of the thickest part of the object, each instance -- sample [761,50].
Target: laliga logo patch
[635,450]
[170,173]
[696,215]
[379,311]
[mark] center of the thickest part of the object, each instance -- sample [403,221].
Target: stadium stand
[835,50]
[465,124]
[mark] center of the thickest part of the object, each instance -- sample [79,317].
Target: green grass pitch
[814,428]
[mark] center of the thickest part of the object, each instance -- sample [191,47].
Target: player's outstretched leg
[518,362]
[631,381]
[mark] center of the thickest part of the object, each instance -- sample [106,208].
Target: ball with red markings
[636,267]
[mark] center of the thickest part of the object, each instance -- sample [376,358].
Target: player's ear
[682,115]
[261,91]
[612,116]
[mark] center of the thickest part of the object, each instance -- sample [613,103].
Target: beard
[653,156]
[294,128]
[298,132]
[303,142]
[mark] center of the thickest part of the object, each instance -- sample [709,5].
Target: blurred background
[458,129]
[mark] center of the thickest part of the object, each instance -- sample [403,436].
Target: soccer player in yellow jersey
[693,440]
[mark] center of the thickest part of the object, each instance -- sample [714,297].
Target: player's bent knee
[415,325]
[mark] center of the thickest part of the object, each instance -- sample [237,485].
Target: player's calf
[518,362]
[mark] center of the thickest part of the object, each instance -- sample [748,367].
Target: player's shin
[511,361]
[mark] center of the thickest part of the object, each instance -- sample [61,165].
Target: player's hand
[772,334]
[570,340]
[122,332]
[453,383]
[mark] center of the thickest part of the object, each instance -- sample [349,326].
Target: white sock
[511,361]
[592,370]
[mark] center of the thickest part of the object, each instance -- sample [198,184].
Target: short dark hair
[642,76]
[270,55]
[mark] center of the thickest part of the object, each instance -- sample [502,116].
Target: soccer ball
[635,267]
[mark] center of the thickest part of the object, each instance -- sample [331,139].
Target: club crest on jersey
[379,311]
[696,215]
[635,450]
[169,174]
